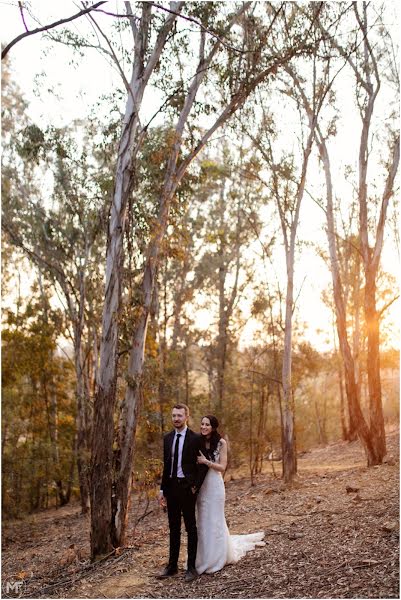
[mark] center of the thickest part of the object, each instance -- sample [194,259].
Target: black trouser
[181,501]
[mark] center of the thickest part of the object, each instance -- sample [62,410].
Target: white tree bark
[102,535]
[174,174]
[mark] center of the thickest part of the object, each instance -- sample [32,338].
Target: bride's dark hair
[214,438]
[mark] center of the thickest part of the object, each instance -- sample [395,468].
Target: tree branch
[203,28]
[113,56]
[388,191]
[21,9]
[387,305]
[50,26]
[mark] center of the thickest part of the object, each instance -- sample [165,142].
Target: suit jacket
[194,473]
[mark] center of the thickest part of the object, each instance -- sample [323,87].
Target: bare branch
[203,28]
[113,55]
[21,9]
[50,26]
[129,15]
[264,376]
[387,305]
[132,19]
[388,191]
[160,42]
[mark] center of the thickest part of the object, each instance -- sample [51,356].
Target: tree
[37,409]
[367,75]
[109,518]
[232,56]
[29,32]
[63,241]
[366,72]
[230,206]
[288,198]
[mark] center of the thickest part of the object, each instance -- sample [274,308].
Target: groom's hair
[181,406]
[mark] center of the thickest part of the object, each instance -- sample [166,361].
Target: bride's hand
[202,460]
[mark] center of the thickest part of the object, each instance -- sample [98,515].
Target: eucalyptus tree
[287,172]
[38,409]
[175,286]
[287,183]
[365,54]
[222,274]
[61,231]
[234,48]
[368,69]
[363,57]
[177,289]
[18,189]
[232,54]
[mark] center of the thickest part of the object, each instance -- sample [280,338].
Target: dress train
[216,547]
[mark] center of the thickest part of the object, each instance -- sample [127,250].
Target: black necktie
[175,461]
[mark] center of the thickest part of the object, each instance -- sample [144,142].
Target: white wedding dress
[216,547]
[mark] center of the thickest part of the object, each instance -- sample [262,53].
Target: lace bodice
[215,455]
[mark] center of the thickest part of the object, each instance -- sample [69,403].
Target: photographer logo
[12,587]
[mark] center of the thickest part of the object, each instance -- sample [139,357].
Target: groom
[181,481]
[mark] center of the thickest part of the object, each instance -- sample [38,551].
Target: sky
[67,91]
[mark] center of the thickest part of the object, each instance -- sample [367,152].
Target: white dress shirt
[180,472]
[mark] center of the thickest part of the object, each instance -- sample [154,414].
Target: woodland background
[196,188]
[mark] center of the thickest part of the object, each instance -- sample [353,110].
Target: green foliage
[38,410]
[57,186]
[32,146]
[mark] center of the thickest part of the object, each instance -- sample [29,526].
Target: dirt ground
[333,533]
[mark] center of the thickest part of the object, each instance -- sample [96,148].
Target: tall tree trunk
[82,416]
[356,339]
[289,451]
[367,76]
[319,423]
[63,498]
[186,374]
[251,461]
[102,532]
[344,431]
[343,420]
[127,430]
[221,362]
[103,416]
[162,342]
[226,301]
[82,440]
[371,260]
[50,398]
[222,324]
[371,84]
[356,415]
[373,361]
[109,524]
[289,219]
[71,471]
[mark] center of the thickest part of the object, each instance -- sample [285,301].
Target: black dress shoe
[191,574]
[168,572]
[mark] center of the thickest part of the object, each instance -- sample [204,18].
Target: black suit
[180,497]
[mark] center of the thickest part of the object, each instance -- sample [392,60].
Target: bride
[216,547]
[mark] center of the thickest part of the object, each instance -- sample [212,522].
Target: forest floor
[333,533]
